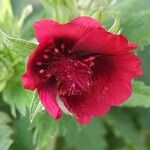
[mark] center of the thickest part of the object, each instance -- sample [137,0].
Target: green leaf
[6,70]
[5,131]
[140,96]
[90,137]
[21,48]
[120,120]
[116,26]
[17,97]
[45,128]
[35,106]
[23,137]
[135,20]
[14,94]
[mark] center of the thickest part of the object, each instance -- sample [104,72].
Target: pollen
[62,46]
[45,56]
[48,75]
[47,50]
[56,50]
[41,71]
[38,63]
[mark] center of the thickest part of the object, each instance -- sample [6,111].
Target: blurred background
[25,126]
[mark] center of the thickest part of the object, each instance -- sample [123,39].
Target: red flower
[89,68]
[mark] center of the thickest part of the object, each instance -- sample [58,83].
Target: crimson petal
[101,41]
[85,106]
[72,31]
[31,78]
[113,76]
[47,94]
[86,22]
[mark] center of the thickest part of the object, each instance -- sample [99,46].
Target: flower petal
[101,41]
[85,106]
[72,31]
[28,81]
[113,76]
[31,78]
[47,94]
[46,28]
[86,22]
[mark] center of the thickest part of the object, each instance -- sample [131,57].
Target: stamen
[69,51]
[47,50]
[48,75]
[45,56]
[89,59]
[38,63]
[41,71]
[56,50]
[62,46]
[91,64]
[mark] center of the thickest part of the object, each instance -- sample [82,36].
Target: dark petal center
[73,76]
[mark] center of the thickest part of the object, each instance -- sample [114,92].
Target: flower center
[73,76]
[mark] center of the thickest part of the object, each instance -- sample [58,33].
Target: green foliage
[23,135]
[140,96]
[116,26]
[5,131]
[19,98]
[87,137]
[6,71]
[124,127]
[135,20]
[20,47]
[45,128]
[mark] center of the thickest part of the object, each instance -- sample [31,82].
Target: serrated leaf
[23,139]
[124,127]
[143,117]
[140,96]
[35,106]
[116,26]
[135,20]
[5,132]
[21,48]
[90,137]
[45,128]
[17,97]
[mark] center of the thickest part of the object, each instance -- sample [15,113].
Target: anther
[41,71]
[62,46]
[91,64]
[47,50]
[48,75]
[45,56]
[69,51]
[56,50]
[38,63]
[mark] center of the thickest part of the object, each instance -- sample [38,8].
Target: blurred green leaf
[20,47]
[135,20]
[140,96]
[123,127]
[116,26]
[87,137]
[6,71]
[45,128]
[23,135]
[5,131]
[17,97]
[6,15]
[35,106]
